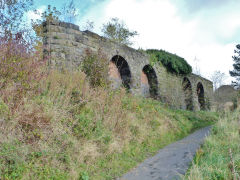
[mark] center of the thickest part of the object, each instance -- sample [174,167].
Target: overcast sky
[206,30]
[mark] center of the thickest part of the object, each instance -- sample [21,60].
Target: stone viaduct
[66,46]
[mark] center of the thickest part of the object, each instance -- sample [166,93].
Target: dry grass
[69,130]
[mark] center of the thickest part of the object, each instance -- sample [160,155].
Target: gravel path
[171,161]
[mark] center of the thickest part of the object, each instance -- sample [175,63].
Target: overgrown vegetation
[172,62]
[64,125]
[95,66]
[68,130]
[21,67]
[219,157]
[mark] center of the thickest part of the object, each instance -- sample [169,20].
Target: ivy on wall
[172,62]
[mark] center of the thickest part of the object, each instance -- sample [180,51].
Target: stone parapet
[66,46]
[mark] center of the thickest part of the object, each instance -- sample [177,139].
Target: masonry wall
[66,47]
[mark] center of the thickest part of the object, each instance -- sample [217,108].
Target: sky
[204,32]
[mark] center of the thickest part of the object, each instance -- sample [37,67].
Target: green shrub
[85,126]
[4,110]
[172,62]
[84,176]
[95,66]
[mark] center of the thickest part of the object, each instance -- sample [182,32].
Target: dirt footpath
[171,161]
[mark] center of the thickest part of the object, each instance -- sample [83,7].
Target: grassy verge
[219,157]
[68,130]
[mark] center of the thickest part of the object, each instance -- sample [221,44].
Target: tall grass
[219,158]
[70,130]
[60,127]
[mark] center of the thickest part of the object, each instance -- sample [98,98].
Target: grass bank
[67,130]
[219,157]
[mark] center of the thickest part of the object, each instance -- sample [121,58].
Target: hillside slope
[67,130]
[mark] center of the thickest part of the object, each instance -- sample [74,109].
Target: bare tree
[217,78]
[69,12]
[11,15]
[89,26]
[196,69]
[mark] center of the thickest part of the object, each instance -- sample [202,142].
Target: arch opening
[187,89]
[149,79]
[200,94]
[119,69]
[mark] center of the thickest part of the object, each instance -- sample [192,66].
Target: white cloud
[161,26]
[212,57]
[95,14]
[34,15]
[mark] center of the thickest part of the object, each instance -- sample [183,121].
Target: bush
[172,62]
[20,68]
[95,66]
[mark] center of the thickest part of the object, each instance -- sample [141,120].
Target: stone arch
[187,89]
[200,94]
[149,81]
[119,71]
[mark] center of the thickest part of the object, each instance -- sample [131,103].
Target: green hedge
[172,62]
